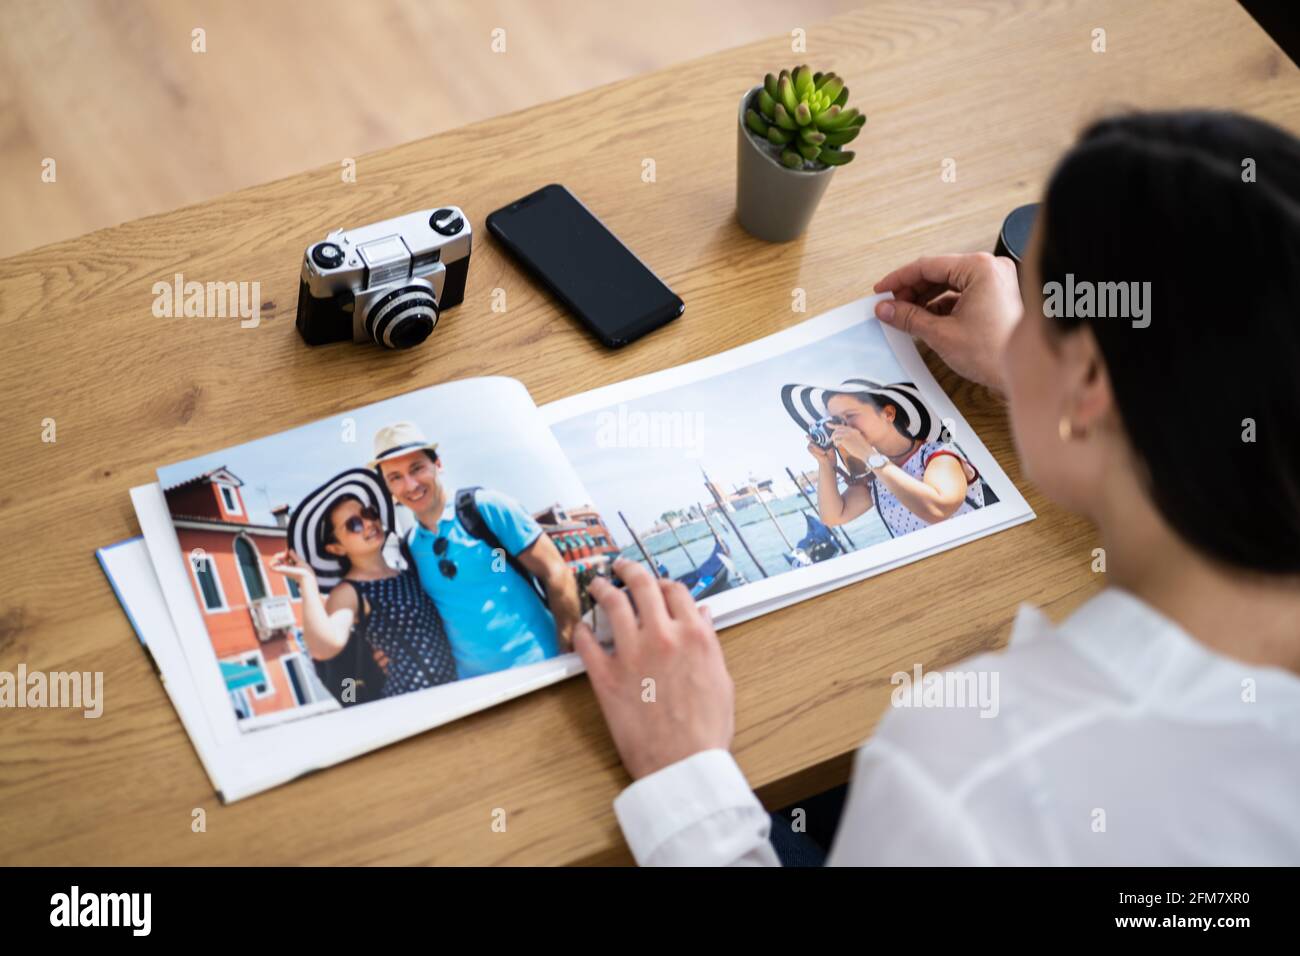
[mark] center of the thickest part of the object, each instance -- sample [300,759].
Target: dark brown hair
[1206,207]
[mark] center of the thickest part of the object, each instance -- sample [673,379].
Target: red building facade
[253,614]
[579,534]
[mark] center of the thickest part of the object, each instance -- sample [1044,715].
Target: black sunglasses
[356,523]
[445,565]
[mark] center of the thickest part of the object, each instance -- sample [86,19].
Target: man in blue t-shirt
[493,614]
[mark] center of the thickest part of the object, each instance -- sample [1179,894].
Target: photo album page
[318,593]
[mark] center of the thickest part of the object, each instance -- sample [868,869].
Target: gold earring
[1065,429]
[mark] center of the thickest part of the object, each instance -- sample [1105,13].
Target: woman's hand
[824,456]
[852,442]
[962,306]
[665,691]
[289,564]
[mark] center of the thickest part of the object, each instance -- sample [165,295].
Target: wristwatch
[877,461]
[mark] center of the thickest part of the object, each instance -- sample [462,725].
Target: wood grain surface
[139,123]
[1001,86]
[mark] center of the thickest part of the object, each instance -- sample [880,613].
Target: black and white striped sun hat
[306,524]
[807,403]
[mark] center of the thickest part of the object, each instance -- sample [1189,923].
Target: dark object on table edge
[1013,237]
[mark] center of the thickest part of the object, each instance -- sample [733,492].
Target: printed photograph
[820,452]
[426,539]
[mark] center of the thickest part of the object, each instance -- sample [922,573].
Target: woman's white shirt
[1115,739]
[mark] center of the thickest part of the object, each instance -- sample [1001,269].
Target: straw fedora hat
[398,439]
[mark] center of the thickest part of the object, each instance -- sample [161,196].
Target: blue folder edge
[99,556]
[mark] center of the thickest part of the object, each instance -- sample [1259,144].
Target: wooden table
[1000,86]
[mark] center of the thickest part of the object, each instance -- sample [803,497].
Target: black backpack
[355,661]
[471,519]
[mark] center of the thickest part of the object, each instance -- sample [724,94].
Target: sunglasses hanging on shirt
[445,565]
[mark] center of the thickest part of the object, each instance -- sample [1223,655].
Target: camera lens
[402,318]
[327,256]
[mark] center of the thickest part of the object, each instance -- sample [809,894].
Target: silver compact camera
[820,433]
[385,283]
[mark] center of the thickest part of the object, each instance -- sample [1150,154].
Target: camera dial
[447,222]
[327,255]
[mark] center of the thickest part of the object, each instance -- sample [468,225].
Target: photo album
[315,594]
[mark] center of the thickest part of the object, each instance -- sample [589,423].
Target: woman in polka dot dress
[901,461]
[387,608]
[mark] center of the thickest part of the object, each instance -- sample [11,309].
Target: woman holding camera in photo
[904,467]
[1179,438]
[340,530]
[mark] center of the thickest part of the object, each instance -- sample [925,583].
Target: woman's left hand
[665,691]
[852,442]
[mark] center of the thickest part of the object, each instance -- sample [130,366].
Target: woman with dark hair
[1160,722]
[342,528]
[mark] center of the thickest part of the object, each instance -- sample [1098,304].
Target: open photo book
[315,594]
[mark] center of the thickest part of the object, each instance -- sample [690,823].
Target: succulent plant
[805,118]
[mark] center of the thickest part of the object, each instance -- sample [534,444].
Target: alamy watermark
[1101,300]
[953,689]
[212,300]
[625,428]
[59,689]
[75,908]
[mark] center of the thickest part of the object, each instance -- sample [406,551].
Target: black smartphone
[584,265]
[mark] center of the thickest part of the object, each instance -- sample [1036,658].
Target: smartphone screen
[584,265]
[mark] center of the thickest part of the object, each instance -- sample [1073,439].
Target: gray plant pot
[773,202]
